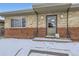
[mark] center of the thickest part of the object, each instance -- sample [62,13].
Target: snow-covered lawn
[21,47]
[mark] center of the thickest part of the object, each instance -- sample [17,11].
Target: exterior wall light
[61,16]
[42,17]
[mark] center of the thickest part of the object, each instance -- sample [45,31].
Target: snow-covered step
[52,39]
[48,52]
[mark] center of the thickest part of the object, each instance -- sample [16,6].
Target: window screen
[18,22]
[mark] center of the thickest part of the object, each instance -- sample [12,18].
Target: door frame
[46,22]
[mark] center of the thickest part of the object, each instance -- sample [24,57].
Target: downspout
[37,22]
[68,33]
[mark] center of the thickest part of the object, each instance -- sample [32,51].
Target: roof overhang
[50,8]
[43,8]
[18,12]
[74,7]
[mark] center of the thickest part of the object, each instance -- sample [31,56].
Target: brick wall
[24,32]
[41,32]
[74,33]
[20,32]
[62,32]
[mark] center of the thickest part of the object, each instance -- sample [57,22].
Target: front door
[51,25]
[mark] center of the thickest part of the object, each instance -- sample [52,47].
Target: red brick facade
[62,32]
[20,32]
[32,32]
[41,32]
[74,33]
[25,32]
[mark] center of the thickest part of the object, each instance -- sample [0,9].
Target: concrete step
[50,36]
[53,39]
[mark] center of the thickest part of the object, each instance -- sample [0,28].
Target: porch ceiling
[51,9]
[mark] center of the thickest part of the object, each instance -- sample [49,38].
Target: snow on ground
[10,46]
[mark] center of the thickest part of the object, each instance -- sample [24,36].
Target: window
[18,22]
[50,25]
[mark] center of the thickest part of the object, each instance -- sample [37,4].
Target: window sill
[18,27]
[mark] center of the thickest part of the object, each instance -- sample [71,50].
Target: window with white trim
[18,22]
